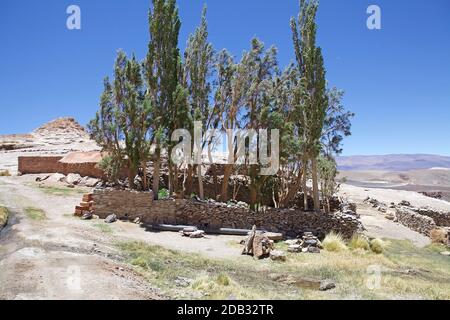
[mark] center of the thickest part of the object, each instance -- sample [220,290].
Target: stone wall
[52,164]
[124,203]
[441,218]
[415,221]
[32,165]
[212,216]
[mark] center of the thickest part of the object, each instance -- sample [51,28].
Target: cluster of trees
[146,101]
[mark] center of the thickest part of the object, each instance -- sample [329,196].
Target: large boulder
[73,178]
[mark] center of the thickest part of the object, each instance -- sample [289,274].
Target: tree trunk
[215,182]
[156,173]
[304,187]
[315,180]
[144,175]
[226,177]
[200,182]
[188,184]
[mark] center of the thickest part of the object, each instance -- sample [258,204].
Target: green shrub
[359,242]
[163,194]
[140,262]
[334,242]
[377,246]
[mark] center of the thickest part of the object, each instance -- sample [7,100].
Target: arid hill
[57,137]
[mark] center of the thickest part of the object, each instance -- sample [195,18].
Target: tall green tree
[311,98]
[162,76]
[199,66]
[120,126]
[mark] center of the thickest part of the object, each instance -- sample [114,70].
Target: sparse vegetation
[4,214]
[334,242]
[35,213]
[242,278]
[377,245]
[62,191]
[103,227]
[359,242]
[5,173]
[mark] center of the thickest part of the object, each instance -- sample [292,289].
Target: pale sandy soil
[375,222]
[41,259]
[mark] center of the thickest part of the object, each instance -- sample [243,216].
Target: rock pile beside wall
[415,221]
[213,216]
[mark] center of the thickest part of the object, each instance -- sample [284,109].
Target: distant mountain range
[393,162]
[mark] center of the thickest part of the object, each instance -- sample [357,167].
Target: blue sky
[397,79]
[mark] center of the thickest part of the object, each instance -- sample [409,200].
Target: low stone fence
[415,221]
[213,216]
[441,218]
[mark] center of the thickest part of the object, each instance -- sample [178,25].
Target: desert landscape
[44,245]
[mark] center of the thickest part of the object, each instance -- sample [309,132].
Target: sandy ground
[375,222]
[65,258]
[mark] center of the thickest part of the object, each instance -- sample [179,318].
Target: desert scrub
[334,242]
[4,214]
[35,213]
[377,246]
[5,173]
[359,242]
[243,277]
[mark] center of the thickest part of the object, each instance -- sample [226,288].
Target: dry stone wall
[415,221]
[213,216]
[441,218]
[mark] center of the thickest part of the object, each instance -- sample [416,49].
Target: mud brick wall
[88,169]
[32,165]
[415,221]
[125,204]
[52,164]
[208,216]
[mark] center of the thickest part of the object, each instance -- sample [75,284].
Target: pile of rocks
[192,232]
[308,243]
[348,208]
[260,246]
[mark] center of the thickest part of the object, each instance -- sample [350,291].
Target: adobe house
[82,163]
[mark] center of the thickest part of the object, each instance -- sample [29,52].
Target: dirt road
[57,258]
[62,257]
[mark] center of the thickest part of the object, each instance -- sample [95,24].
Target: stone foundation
[213,216]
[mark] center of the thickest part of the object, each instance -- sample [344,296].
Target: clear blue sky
[397,80]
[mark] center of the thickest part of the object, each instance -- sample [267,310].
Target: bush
[377,246]
[334,242]
[359,242]
[5,173]
[223,279]
[163,194]
[3,216]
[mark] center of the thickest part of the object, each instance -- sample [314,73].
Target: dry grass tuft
[334,242]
